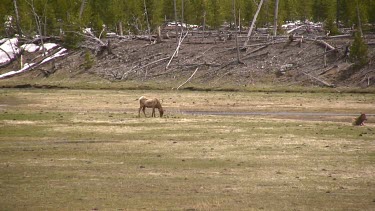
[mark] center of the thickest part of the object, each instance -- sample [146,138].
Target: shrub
[89,61]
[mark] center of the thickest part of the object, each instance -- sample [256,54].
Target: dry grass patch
[77,149]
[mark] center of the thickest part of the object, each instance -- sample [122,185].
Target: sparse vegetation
[81,149]
[89,61]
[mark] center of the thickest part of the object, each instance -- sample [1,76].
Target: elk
[150,103]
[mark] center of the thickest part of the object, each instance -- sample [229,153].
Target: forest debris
[318,79]
[339,36]
[258,49]
[136,69]
[292,30]
[188,78]
[325,45]
[176,51]
[328,69]
[252,56]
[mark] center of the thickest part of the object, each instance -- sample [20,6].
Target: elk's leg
[153,112]
[139,111]
[143,109]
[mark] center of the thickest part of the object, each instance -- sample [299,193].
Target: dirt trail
[283,113]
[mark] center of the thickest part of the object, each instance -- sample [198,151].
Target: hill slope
[212,59]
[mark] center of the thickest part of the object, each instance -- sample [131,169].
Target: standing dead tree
[148,22]
[82,8]
[236,31]
[253,24]
[37,21]
[175,18]
[17,18]
[275,18]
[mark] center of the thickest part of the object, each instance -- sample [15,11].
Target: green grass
[87,149]
[89,81]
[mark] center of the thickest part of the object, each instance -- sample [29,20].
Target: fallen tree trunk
[338,36]
[258,49]
[200,64]
[176,51]
[319,80]
[136,69]
[325,44]
[252,56]
[292,30]
[188,78]
[268,43]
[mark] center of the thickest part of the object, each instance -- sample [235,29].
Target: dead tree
[148,23]
[175,19]
[325,45]
[275,18]
[235,25]
[17,18]
[359,21]
[94,43]
[82,9]
[188,78]
[253,23]
[37,22]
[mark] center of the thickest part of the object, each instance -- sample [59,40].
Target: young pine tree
[358,51]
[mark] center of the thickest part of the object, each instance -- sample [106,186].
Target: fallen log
[327,69]
[256,50]
[146,38]
[136,69]
[176,51]
[319,80]
[188,78]
[200,64]
[292,30]
[325,44]
[268,43]
[252,56]
[339,36]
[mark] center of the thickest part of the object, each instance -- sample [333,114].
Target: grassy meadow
[66,149]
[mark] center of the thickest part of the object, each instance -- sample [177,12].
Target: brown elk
[150,103]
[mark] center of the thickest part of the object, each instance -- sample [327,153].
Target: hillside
[212,58]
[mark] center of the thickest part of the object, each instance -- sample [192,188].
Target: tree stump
[360,121]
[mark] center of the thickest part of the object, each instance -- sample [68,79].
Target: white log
[188,78]
[176,51]
[252,24]
[325,44]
